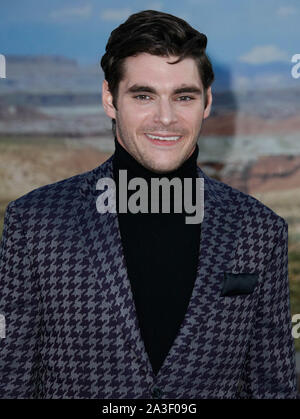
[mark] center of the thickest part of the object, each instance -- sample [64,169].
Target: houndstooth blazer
[71,329]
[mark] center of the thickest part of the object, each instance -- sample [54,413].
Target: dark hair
[155,33]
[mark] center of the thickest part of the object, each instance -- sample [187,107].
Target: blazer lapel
[103,244]
[216,255]
[104,248]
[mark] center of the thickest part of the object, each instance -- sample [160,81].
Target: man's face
[160,110]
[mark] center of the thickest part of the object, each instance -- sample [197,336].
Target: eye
[142,97]
[185,98]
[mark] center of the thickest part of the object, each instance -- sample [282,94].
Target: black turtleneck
[161,253]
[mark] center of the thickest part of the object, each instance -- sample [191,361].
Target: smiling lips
[163,139]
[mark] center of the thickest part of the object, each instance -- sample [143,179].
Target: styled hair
[155,33]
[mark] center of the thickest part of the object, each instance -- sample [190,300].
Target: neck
[123,160]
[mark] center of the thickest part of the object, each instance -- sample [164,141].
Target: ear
[208,103]
[107,101]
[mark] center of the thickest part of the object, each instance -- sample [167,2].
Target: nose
[165,112]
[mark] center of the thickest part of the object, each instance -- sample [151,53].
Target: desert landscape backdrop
[52,126]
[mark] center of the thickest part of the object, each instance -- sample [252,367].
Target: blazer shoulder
[50,190]
[243,202]
[54,194]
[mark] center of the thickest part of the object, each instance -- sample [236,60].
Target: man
[144,305]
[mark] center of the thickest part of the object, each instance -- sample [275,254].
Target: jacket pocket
[238,283]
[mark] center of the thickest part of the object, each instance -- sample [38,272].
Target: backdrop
[52,125]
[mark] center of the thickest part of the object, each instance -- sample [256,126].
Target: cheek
[192,120]
[141,120]
[133,117]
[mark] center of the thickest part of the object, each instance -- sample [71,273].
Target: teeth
[156,137]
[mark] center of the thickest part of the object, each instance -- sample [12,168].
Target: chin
[164,168]
[157,165]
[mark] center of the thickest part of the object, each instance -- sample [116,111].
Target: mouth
[165,140]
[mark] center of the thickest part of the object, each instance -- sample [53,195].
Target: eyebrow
[185,89]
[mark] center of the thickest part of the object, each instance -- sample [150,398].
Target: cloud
[83,12]
[286,11]
[115,15]
[264,54]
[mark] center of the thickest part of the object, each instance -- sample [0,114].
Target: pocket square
[238,284]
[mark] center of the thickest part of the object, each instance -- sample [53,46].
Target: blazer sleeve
[270,368]
[19,304]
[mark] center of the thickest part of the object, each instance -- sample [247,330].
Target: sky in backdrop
[244,31]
